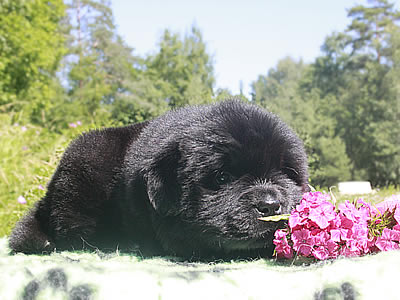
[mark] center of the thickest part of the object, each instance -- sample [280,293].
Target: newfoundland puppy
[191,183]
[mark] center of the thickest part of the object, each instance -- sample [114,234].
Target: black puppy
[191,183]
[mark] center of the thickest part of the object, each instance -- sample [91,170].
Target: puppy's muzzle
[267,203]
[266,208]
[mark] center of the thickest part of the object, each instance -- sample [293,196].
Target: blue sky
[245,38]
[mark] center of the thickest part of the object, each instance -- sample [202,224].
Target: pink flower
[340,234]
[321,238]
[315,198]
[79,123]
[349,210]
[365,210]
[396,227]
[280,234]
[321,253]
[344,251]
[345,222]
[323,214]
[365,205]
[317,229]
[386,245]
[332,248]
[390,204]
[295,219]
[284,250]
[359,246]
[354,248]
[336,235]
[41,187]
[303,206]
[280,238]
[72,125]
[391,234]
[360,230]
[397,215]
[385,242]
[302,241]
[282,247]
[21,200]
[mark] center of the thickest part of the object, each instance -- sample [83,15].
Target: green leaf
[275,218]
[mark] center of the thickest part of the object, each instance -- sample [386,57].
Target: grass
[29,156]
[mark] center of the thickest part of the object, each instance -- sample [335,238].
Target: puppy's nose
[269,207]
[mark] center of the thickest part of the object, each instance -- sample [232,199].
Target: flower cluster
[318,230]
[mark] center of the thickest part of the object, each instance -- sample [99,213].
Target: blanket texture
[70,275]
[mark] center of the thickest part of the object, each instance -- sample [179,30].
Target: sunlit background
[330,69]
[245,38]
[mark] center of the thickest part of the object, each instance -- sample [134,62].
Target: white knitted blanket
[69,275]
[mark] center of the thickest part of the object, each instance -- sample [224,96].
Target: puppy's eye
[222,178]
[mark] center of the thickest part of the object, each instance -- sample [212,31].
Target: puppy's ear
[163,189]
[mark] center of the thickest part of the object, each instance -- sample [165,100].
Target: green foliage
[223,94]
[100,65]
[179,73]
[104,75]
[369,28]
[182,69]
[29,155]
[63,62]
[366,107]
[278,91]
[346,103]
[31,47]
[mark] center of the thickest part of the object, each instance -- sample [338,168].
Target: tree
[278,91]
[369,28]
[31,48]
[143,101]
[182,69]
[354,73]
[99,67]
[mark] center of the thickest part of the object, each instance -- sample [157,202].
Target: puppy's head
[230,165]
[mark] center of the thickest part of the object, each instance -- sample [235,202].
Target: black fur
[191,183]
